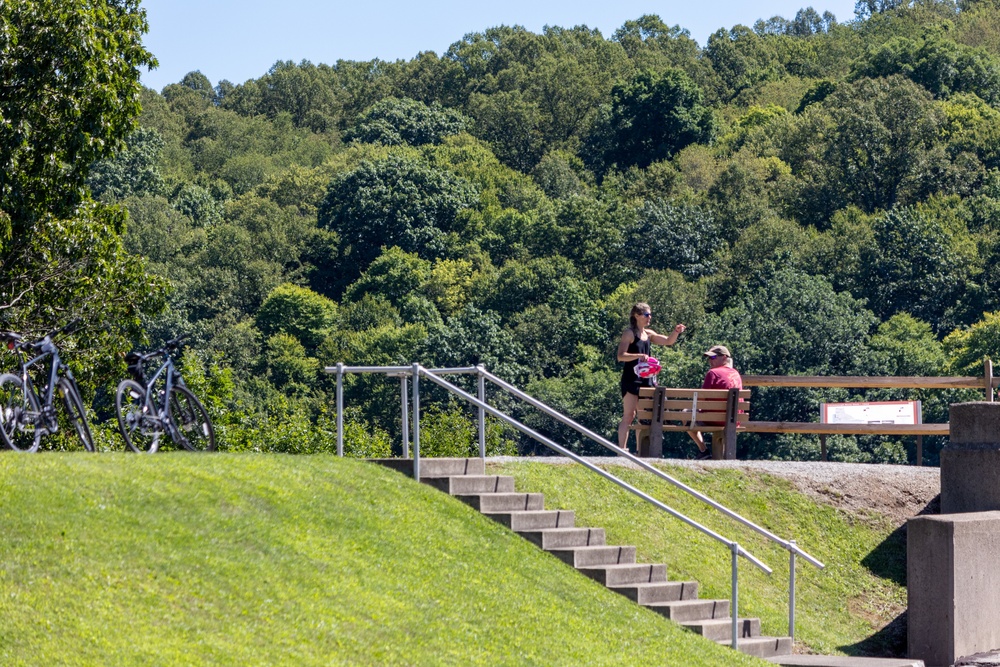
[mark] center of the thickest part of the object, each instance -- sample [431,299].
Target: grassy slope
[252,559]
[838,609]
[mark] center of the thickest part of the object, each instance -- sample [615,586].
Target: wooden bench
[707,410]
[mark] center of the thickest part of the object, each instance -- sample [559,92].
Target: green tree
[393,275]
[937,63]
[741,60]
[530,283]
[561,174]
[872,143]
[672,299]
[476,337]
[298,312]
[653,116]
[132,172]
[651,44]
[288,365]
[512,124]
[795,324]
[395,201]
[920,261]
[676,235]
[403,121]
[304,91]
[866,8]
[966,348]
[906,346]
[70,97]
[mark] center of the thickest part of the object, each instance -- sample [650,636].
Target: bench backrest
[707,406]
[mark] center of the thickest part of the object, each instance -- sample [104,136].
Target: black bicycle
[147,409]
[27,412]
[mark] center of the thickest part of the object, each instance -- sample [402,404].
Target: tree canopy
[70,97]
[819,193]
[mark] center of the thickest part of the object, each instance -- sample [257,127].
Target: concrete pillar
[970,462]
[953,586]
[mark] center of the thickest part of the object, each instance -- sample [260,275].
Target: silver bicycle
[27,410]
[162,404]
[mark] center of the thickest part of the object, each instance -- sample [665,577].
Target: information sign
[880,412]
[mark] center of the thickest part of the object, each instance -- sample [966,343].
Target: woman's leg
[630,401]
[698,439]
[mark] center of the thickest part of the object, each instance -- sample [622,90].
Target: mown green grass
[178,559]
[843,608]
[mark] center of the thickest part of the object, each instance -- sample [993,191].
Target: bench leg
[729,435]
[718,446]
[641,441]
[655,444]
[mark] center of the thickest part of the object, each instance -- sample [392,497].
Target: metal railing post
[734,604]
[416,422]
[481,395]
[791,592]
[340,409]
[406,416]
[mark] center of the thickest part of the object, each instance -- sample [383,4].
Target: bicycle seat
[134,361]
[12,339]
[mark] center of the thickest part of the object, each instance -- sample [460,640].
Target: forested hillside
[821,196]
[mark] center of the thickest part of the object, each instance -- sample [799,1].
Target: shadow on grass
[889,642]
[888,559]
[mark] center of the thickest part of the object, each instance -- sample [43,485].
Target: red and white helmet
[647,368]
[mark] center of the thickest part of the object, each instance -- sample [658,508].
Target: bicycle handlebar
[170,345]
[176,342]
[66,328]
[15,340]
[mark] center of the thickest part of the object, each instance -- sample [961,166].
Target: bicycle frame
[172,378]
[43,405]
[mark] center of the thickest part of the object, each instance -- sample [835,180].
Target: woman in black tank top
[633,348]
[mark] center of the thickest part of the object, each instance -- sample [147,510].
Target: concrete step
[667,591]
[436,467]
[622,575]
[721,629]
[468,484]
[842,661]
[534,519]
[596,555]
[763,647]
[691,610]
[555,538]
[499,502]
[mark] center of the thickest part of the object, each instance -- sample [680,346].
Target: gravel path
[894,491]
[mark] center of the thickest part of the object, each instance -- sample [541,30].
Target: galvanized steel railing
[415,371]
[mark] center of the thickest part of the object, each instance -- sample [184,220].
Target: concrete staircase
[585,549]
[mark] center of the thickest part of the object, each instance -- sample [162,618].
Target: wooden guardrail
[987,383]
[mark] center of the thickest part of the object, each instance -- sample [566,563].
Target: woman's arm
[623,354]
[660,339]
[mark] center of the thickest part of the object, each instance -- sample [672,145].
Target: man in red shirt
[720,375]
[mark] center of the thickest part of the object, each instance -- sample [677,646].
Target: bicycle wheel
[140,430]
[191,422]
[17,429]
[76,413]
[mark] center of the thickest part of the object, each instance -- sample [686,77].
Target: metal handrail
[789,545]
[403,372]
[417,370]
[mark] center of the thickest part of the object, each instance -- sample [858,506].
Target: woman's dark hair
[633,323]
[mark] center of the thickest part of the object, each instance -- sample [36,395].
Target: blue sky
[241,39]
